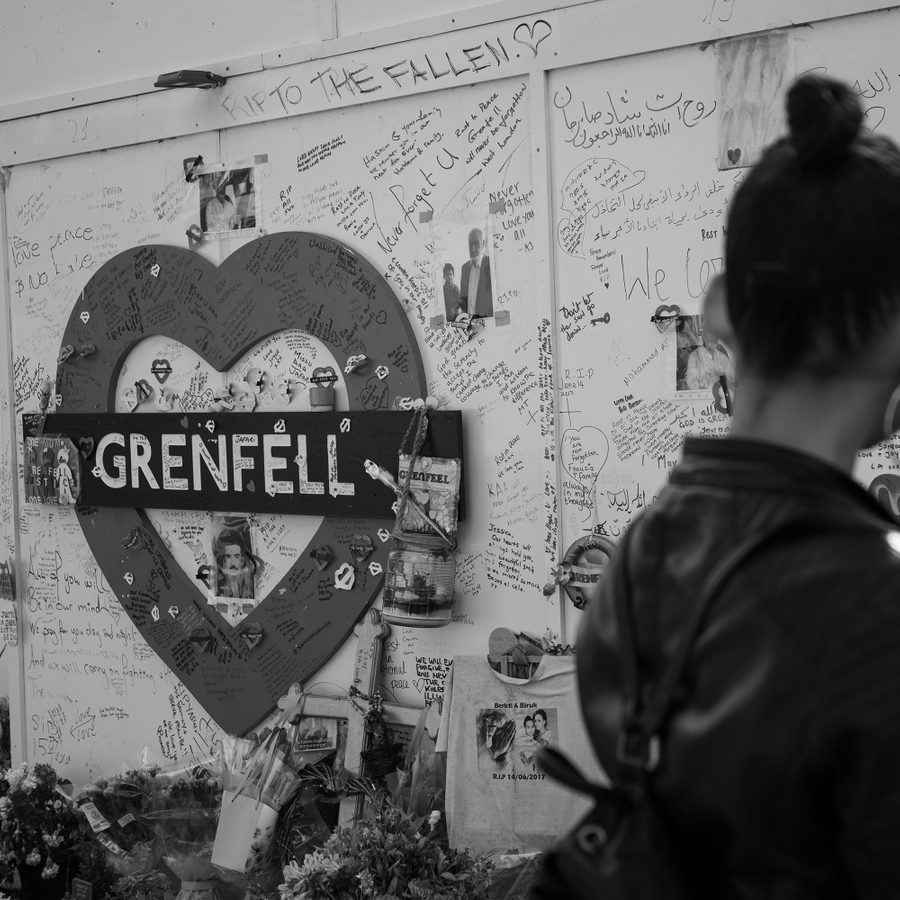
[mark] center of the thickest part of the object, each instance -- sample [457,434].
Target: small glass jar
[418,586]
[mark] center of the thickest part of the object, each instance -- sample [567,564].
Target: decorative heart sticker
[321,556]
[143,390]
[665,316]
[361,547]
[354,362]
[323,375]
[161,369]
[252,634]
[344,577]
[265,287]
[202,639]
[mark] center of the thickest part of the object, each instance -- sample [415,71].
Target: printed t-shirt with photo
[491,727]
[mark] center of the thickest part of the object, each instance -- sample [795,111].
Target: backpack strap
[639,747]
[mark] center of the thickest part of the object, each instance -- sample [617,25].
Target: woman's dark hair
[812,252]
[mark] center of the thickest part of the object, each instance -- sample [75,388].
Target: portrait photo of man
[463,291]
[475,289]
[233,586]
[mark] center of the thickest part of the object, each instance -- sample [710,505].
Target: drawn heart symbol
[584,452]
[537,32]
[86,445]
[222,313]
[734,156]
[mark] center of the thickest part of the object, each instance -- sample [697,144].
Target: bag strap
[639,741]
[553,762]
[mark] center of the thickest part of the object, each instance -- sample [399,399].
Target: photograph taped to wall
[229,199]
[316,733]
[52,471]
[701,359]
[463,279]
[234,573]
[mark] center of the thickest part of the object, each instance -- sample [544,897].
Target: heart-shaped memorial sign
[278,282]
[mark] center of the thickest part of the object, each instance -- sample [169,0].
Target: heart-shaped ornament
[665,316]
[220,314]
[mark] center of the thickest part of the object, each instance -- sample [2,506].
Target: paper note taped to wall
[9,627]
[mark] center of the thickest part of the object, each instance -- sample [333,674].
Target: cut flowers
[39,826]
[391,855]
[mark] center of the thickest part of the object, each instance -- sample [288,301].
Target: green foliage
[391,855]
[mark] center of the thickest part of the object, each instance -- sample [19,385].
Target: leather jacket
[780,761]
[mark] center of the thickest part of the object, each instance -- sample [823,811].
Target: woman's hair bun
[824,117]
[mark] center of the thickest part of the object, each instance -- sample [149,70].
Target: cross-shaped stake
[370,634]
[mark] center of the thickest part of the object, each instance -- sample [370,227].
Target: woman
[779,772]
[542,734]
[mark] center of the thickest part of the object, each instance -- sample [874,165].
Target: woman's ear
[715,312]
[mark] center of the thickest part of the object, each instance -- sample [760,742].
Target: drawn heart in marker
[532,34]
[734,156]
[584,452]
[221,314]
[86,446]
[161,369]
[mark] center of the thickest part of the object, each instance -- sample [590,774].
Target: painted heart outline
[269,285]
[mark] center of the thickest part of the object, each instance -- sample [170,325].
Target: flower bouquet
[390,854]
[115,809]
[39,829]
[184,816]
[260,775]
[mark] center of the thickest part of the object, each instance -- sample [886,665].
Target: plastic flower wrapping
[261,773]
[147,818]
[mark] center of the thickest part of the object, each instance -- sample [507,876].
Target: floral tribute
[391,855]
[39,826]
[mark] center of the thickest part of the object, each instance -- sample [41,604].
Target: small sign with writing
[9,628]
[82,890]
[293,463]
